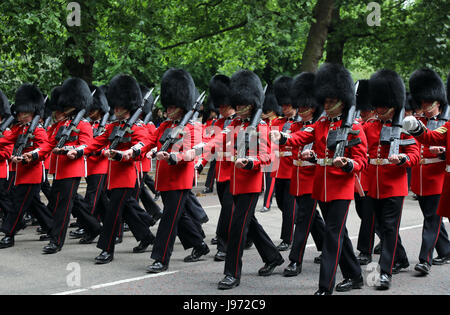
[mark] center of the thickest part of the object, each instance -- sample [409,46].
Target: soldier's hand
[437,150]
[340,162]
[307,155]
[162,156]
[17,159]
[127,155]
[395,159]
[275,136]
[189,155]
[241,163]
[27,157]
[72,154]
[57,150]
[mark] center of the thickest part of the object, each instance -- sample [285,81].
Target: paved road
[25,270]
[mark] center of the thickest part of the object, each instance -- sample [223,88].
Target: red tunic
[96,163]
[65,167]
[302,172]
[30,173]
[332,183]
[181,175]
[440,137]
[5,154]
[282,165]
[121,174]
[387,180]
[428,176]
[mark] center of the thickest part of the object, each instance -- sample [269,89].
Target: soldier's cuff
[419,131]
[348,168]
[403,160]
[137,149]
[250,164]
[172,159]
[284,138]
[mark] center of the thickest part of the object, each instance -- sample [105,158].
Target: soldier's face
[333,107]
[121,113]
[174,113]
[367,114]
[385,113]
[306,113]
[24,118]
[288,110]
[244,111]
[226,110]
[95,114]
[430,109]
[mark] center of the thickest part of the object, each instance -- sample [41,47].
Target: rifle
[47,122]
[250,132]
[101,127]
[149,115]
[64,132]
[118,134]
[23,139]
[343,132]
[171,136]
[5,125]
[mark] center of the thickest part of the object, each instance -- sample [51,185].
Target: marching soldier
[125,97]
[389,186]
[427,89]
[334,178]
[175,173]
[302,175]
[271,111]
[5,200]
[32,144]
[74,97]
[283,163]
[246,180]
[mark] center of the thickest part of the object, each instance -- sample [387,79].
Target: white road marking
[109,284]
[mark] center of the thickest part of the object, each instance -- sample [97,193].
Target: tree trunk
[317,36]
[77,69]
[336,40]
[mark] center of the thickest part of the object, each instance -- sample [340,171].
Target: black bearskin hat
[426,85]
[146,108]
[178,89]
[246,89]
[5,109]
[334,81]
[302,93]
[124,91]
[219,90]
[270,103]
[74,93]
[282,87]
[29,99]
[99,101]
[362,96]
[386,89]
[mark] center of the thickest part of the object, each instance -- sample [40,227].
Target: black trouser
[337,247]
[148,180]
[434,234]
[63,192]
[308,221]
[365,211]
[288,206]
[388,213]
[41,212]
[133,205]
[5,197]
[22,198]
[269,190]
[147,201]
[175,221]
[86,207]
[226,214]
[46,187]
[244,224]
[210,177]
[121,205]
[194,208]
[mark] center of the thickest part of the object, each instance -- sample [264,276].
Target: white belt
[380,162]
[447,169]
[431,161]
[302,163]
[325,162]
[223,154]
[283,153]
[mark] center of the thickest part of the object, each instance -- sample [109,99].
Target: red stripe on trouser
[307,231]
[293,221]
[269,196]
[21,209]
[242,233]
[339,246]
[65,214]
[115,220]
[171,228]
[56,203]
[437,236]
[231,219]
[396,237]
[96,193]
